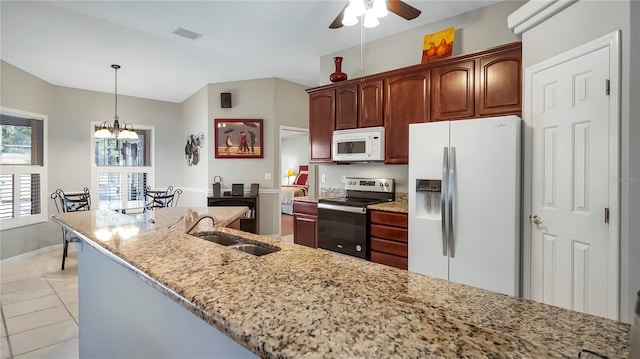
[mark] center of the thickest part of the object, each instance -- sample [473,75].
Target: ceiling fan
[397,7]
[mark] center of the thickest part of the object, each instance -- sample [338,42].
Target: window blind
[29,194]
[6,196]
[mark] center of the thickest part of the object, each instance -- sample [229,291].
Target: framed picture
[238,138]
[438,45]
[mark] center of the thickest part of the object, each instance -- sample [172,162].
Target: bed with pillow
[299,188]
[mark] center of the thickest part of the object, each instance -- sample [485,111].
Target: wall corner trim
[533,13]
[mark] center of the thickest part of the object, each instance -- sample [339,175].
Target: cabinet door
[305,229]
[406,101]
[452,88]
[370,104]
[347,107]
[499,84]
[321,121]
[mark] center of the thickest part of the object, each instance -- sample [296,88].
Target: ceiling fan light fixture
[357,7]
[370,20]
[349,18]
[380,8]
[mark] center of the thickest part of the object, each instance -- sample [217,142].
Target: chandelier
[370,10]
[107,130]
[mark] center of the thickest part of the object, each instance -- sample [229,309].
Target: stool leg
[64,251]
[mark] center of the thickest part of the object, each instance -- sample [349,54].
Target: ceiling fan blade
[337,23]
[402,9]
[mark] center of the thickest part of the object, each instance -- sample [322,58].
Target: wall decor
[438,45]
[192,148]
[238,138]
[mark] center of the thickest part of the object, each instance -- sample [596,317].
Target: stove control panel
[370,184]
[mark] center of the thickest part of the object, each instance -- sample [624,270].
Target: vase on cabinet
[338,75]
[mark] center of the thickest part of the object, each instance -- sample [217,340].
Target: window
[122,168]
[22,192]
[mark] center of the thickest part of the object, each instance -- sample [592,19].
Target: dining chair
[160,199]
[70,202]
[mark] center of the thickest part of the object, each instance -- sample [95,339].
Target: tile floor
[39,306]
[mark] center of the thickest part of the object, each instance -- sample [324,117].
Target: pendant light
[107,130]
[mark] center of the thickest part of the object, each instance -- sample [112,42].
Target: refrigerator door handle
[443,199]
[452,191]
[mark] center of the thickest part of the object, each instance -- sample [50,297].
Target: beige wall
[195,119]
[276,102]
[475,31]
[586,21]
[70,112]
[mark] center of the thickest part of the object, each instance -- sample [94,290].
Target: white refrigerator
[464,201]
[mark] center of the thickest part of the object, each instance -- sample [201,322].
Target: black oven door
[343,229]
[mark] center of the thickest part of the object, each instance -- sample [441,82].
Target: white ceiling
[73,43]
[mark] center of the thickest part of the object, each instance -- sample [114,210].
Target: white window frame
[18,220]
[123,170]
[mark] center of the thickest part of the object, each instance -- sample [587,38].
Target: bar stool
[70,202]
[160,199]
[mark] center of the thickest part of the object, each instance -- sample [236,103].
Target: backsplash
[332,192]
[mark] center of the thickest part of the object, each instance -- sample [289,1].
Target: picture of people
[238,138]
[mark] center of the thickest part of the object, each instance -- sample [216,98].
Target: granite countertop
[313,199]
[395,206]
[304,302]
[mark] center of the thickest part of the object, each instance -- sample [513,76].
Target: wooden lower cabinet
[235,224]
[305,223]
[389,238]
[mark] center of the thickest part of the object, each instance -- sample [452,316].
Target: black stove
[342,221]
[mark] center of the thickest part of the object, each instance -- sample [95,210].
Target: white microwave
[358,145]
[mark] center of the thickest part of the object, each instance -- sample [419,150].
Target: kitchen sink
[220,239]
[238,243]
[254,249]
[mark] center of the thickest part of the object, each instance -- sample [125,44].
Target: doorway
[294,152]
[571,224]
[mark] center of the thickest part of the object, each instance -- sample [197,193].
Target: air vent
[186,33]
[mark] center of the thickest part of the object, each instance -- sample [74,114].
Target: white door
[484,242]
[427,145]
[570,164]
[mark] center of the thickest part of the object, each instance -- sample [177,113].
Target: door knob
[535,219]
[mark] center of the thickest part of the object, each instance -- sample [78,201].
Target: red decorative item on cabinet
[338,75]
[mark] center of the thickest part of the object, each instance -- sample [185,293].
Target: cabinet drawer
[390,218]
[390,260]
[390,247]
[394,233]
[305,207]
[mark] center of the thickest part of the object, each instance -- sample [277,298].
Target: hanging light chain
[116,67]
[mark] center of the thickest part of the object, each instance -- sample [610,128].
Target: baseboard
[31,254]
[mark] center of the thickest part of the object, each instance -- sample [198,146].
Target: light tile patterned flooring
[39,305]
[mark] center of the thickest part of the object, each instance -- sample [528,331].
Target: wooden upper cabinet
[370,104]
[406,101]
[347,107]
[499,84]
[322,117]
[452,91]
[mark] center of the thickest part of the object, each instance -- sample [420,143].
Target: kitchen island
[304,302]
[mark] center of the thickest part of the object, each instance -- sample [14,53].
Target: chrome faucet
[195,223]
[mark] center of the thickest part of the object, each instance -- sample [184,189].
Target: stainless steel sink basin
[237,243]
[222,240]
[254,249]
